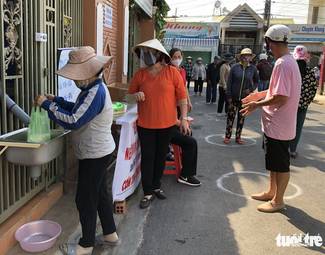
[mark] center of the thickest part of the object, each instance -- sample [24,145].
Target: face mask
[177,62]
[147,59]
[246,59]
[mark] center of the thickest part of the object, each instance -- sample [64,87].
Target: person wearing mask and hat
[213,77]
[264,68]
[188,68]
[176,60]
[308,92]
[279,107]
[187,143]
[90,119]
[158,89]
[242,80]
[224,74]
[198,75]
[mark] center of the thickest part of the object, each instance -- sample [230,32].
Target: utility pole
[267,14]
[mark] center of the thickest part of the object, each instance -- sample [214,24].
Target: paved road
[211,221]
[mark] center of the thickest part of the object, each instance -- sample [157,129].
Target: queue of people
[161,86]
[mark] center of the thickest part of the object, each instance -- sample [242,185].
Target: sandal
[226,141]
[262,197]
[146,201]
[101,241]
[240,141]
[160,194]
[270,207]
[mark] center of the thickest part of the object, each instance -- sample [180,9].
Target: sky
[297,9]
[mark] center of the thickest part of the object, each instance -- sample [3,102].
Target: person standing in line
[264,68]
[176,55]
[279,105]
[187,143]
[90,120]
[308,92]
[188,68]
[198,75]
[224,74]
[242,80]
[158,89]
[213,77]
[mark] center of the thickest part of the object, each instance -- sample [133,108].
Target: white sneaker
[219,114]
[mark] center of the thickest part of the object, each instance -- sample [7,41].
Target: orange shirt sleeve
[179,85]
[135,83]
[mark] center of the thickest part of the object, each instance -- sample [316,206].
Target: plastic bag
[39,127]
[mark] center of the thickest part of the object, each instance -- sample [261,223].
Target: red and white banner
[127,174]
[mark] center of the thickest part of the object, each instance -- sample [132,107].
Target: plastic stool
[176,164]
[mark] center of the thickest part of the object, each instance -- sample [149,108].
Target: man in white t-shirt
[279,103]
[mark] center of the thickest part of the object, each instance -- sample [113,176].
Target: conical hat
[152,44]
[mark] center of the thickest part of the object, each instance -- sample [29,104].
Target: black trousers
[198,85]
[222,100]
[154,147]
[188,78]
[234,109]
[211,95]
[189,152]
[92,197]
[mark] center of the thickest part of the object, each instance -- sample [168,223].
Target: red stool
[176,164]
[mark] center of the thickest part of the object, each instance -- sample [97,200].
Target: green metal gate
[27,68]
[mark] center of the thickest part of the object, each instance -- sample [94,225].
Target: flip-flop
[70,249]
[270,207]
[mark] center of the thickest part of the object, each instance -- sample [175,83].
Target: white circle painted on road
[213,116]
[249,141]
[224,176]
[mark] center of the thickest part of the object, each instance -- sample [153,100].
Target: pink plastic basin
[38,235]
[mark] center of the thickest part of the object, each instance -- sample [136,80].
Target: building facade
[316,12]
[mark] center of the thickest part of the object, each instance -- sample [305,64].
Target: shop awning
[146,6]
[190,42]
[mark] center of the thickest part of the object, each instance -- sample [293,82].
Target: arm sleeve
[134,84]
[179,85]
[229,82]
[87,108]
[66,105]
[222,75]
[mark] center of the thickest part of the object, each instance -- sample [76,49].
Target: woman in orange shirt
[159,89]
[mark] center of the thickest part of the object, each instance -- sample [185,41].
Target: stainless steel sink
[21,152]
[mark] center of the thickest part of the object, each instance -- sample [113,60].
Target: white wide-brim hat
[83,64]
[151,44]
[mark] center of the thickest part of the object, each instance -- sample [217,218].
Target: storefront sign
[66,88]
[108,16]
[307,29]
[191,30]
[127,174]
[146,6]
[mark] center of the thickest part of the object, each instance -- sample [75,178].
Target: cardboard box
[118,91]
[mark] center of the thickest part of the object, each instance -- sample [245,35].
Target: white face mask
[177,62]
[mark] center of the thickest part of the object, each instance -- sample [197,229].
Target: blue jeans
[301,116]
[263,85]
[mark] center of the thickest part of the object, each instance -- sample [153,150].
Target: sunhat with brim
[151,44]
[83,64]
[246,51]
[189,57]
